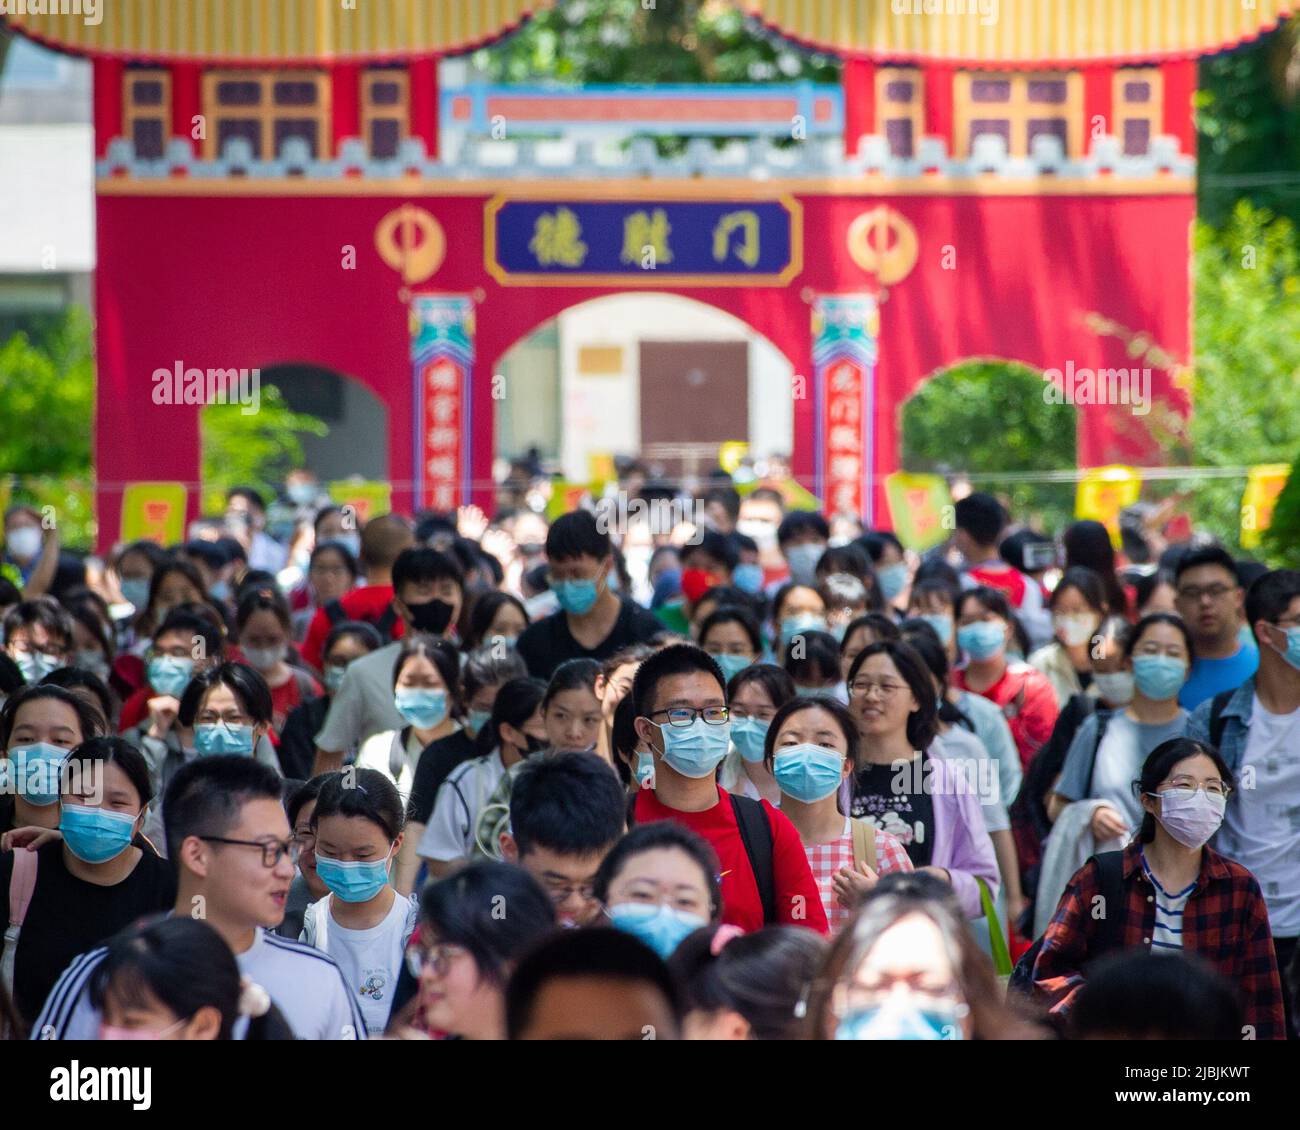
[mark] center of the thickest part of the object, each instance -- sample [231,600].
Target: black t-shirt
[68,916]
[894,800]
[548,643]
[438,759]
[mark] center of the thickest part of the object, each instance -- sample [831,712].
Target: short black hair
[252,495]
[261,599]
[851,559]
[75,678]
[1087,583]
[715,545]
[577,534]
[1136,631]
[419,565]
[599,951]
[345,555]
[1206,555]
[1138,995]
[873,544]
[571,675]
[191,624]
[364,793]
[726,496]
[569,803]
[797,522]
[41,611]
[676,659]
[206,795]
[516,702]
[248,686]
[1271,595]
[774,680]
[367,634]
[658,836]
[90,723]
[733,614]
[922,723]
[981,516]
[877,623]
[302,796]
[119,752]
[812,656]
[462,909]
[991,599]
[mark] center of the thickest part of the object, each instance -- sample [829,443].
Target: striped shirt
[1167,933]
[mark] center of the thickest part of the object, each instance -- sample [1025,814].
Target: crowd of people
[756,777]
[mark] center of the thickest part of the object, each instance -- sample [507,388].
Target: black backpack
[756,835]
[384,625]
[1110,868]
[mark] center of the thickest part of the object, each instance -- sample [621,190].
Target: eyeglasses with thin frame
[865,688]
[1194,594]
[437,958]
[680,717]
[1214,787]
[272,850]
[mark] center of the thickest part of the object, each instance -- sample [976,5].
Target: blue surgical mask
[732,665]
[212,738]
[1159,677]
[421,706]
[333,677]
[662,928]
[982,639]
[37,770]
[475,720]
[168,674]
[1291,653]
[645,769]
[35,665]
[802,560]
[892,580]
[808,772]
[749,736]
[96,835]
[302,494]
[696,750]
[575,597]
[942,625]
[349,540]
[792,626]
[748,577]
[220,590]
[135,591]
[939,1021]
[357,881]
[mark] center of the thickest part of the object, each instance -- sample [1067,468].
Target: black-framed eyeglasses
[272,850]
[680,717]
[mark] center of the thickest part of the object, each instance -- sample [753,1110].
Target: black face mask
[535,745]
[430,616]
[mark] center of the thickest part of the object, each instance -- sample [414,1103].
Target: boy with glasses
[234,854]
[1209,599]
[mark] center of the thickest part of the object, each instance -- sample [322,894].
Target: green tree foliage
[252,450]
[986,417]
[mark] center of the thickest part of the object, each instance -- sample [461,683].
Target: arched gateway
[273,187]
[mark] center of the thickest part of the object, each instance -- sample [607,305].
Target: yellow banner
[1104,492]
[1263,485]
[367,499]
[918,505]
[154,512]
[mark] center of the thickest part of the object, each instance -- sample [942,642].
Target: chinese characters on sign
[443,354]
[844,356]
[714,244]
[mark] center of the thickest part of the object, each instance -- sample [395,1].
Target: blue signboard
[644,242]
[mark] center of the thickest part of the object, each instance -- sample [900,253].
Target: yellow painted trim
[647,278]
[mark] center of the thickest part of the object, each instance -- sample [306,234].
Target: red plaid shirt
[1225,922]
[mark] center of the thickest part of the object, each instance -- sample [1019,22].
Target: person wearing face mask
[707,563]
[754,695]
[227,709]
[429,594]
[811,751]
[363,923]
[38,637]
[679,697]
[426,692]
[331,573]
[176,979]
[593,622]
[803,537]
[31,550]
[732,636]
[496,620]
[984,631]
[347,642]
[796,608]
[1173,892]
[38,725]
[907,968]
[176,586]
[888,559]
[1256,727]
[748,575]
[515,731]
[246,519]
[262,619]
[659,883]
[92,633]
[1078,606]
[96,876]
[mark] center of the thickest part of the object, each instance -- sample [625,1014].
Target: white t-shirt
[977,772]
[371,960]
[384,751]
[449,834]
[1261,829]
[302,982]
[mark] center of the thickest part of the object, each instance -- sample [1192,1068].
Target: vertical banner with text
[442,355]
[845,327]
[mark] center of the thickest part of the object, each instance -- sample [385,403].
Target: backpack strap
[756,835]
[386,623]
[1218,722]
[22,883]
[335,612]
[397,753]
[1110,869]
[1103,719]
[864,843]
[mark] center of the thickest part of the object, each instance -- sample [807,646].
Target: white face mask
[1191,816]
[1075,630]
[1115,686]
[24,542]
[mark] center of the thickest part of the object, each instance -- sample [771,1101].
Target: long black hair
[1157,766]
[516,702]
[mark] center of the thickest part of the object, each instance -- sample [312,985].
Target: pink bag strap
[22,882]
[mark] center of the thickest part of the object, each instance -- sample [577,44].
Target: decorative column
[845,327]
[442,356]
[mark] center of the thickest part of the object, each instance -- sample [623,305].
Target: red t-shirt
[366,603]
[1028,702]
[1008,581]
[288,695]
[798,901]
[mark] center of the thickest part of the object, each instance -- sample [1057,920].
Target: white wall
[602,413]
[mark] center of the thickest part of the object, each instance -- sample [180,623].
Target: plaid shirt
[1225,922]
[829,858]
